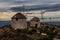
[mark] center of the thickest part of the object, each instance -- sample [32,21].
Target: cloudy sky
[6,4]
[14,3]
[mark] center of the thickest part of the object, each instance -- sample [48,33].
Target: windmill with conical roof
[19,21]
[35,22]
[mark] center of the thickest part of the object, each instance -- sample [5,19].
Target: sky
[6,4]
[15,3]
[5,16]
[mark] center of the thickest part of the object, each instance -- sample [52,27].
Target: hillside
[8,33]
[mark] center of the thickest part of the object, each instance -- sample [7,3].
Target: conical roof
[19,16]
[35,19]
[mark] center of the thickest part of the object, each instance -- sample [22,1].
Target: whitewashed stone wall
[33,24]
[19,24]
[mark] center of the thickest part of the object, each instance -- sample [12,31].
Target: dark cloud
[29,1]
[55,7]
[16,3]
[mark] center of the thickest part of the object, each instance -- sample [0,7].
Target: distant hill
[55,7]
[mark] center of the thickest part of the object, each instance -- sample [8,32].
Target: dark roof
[35,19]
[19,16]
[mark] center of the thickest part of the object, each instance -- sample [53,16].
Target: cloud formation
[6,4]
[12,3]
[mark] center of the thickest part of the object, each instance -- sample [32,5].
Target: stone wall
[33,23]
[19,24]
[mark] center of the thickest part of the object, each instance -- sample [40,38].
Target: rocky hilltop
[8,33]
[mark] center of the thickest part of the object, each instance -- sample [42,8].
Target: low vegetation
[8,33]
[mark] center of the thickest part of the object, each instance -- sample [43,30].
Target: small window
[16,19]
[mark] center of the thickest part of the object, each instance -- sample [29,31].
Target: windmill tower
[19,21]
[42,12]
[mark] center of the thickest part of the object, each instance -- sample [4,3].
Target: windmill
[42,12]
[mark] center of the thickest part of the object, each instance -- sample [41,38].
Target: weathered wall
[34,22]
[19,24]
